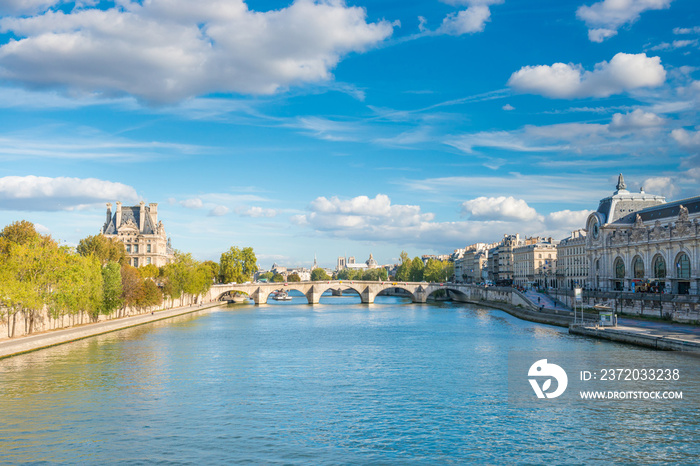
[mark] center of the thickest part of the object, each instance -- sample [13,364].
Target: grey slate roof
[133,214]
[664,212]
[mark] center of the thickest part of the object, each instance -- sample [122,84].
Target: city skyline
[332,128]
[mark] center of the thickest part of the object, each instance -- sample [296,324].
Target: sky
[342,128]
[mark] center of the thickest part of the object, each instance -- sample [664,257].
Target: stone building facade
[572,261]
[644,245]
[535,263]
[141,232]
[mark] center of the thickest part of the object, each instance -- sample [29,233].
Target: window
[136,248]
[638,267]
[148,248]
[659,267]
[136,262]
[148,260]
[128,248]
[619,268]
[683,266]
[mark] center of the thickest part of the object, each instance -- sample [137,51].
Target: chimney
[153,208]
[118,216]
[109,214]
[142,216]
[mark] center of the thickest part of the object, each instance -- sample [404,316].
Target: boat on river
[282,296]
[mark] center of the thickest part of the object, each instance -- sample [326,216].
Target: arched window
[683,266]
[619,268]
[659,267]
[638,267]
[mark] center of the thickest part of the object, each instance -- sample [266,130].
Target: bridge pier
[313,295]
[259,296]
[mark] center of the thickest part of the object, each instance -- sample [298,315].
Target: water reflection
[340,382]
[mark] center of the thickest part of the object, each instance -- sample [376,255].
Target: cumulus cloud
[498,208]
[638,119]
[687,139]
[40,193]
[623,73]
[663,185]
[603,19]
[508,107]
[693,30]
[24,7]
[377,219]
[257,212]
[473,19]
[168,50]
[194,203]
[218,211]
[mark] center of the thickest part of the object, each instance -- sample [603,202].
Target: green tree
[103,248]
[416,272]
[152,296]
[318,275]
[403,273]
[375,275]
[433,271]
[213,269]
[20,232]
[132,287]
[266,276]
[149,271]
[278,278]
[112,288]
[293,277]
[237,265]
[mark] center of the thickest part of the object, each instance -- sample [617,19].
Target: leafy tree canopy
[319,275]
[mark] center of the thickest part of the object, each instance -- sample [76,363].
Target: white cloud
[39,193]
[194,203]
[508,107]
[257,212]
[169,50]
[24,7]
[605,17]
[663,185]
[623,73]
[473,19]
[693,30]
[687,139]
[498,208]
[377,220]
[218,211]
[638,119]
[567,219]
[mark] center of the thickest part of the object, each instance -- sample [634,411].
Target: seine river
[341,382]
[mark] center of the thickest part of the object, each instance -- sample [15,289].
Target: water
[336,383]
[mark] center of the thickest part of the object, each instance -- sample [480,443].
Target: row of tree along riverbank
[45,285]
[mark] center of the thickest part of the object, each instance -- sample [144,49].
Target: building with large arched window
[637,241]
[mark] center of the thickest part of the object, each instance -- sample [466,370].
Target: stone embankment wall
[514,303]
[677,308]
[20,323]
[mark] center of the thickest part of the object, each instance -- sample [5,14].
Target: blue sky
[334,128]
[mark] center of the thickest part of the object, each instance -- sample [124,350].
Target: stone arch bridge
[259,292]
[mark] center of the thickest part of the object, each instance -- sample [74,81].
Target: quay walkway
[25,344]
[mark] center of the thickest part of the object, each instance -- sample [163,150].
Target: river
[336,383]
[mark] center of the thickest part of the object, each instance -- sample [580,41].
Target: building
[535,263]
[637,241]
[472,267]
[350,263]
[141,232]
[572,261]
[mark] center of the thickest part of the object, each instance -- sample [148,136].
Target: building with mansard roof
[141,232]
[640,241]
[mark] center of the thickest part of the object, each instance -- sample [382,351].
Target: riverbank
[26,344]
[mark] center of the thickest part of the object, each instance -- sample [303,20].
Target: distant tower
[315,266]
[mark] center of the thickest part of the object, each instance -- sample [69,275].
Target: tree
[132,287]
[318,275]
[265,276]
[403,273]
[278,278]
[20,232]
[149,271]
[416,272]
[112,287]
[237,265]
[152,296]
[433,271]
[103,248]
[213,268]
[293,277]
